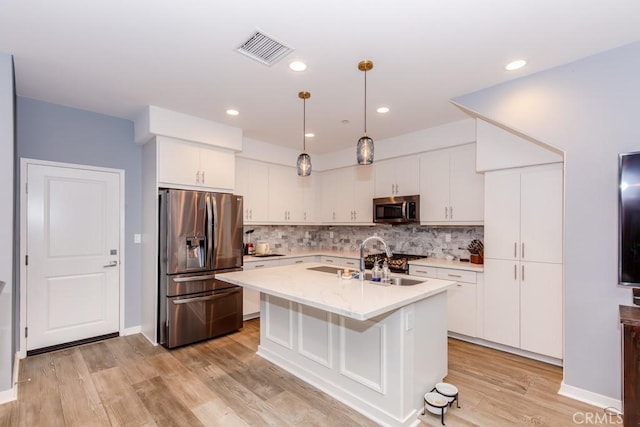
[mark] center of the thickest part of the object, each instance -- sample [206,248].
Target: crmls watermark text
[610,416]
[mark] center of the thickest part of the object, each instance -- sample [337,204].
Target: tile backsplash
[409,239]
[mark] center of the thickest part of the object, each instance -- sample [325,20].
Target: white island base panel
[381,367]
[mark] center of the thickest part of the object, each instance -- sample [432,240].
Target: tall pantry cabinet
[523,295]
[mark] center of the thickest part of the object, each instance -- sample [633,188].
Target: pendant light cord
[365,102]
[304,125]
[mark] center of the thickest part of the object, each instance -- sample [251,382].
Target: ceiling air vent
[263,48]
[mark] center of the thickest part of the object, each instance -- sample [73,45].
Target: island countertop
[351,298]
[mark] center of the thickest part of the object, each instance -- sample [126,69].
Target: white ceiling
[117,56]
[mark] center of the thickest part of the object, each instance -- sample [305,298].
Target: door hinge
[26,332]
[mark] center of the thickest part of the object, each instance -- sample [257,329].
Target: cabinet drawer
[344,262]
[457,275]
[419,270]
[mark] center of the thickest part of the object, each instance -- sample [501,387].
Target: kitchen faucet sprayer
[362,245]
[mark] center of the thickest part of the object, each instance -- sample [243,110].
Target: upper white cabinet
[523,214]
[397,177]
[346,195]
[291,197]
[252,182]
[191,164]
[451,191]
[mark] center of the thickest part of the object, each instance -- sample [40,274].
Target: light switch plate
[137,238]
[447,237]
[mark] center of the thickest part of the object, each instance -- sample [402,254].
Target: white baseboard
[507,349]
[589,397]
[131,331]
[8,395]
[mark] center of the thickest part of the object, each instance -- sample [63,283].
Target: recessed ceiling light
[298,66]
[515,65]
[383,110]
[232,112]
[309,135]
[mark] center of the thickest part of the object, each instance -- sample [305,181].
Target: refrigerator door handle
[205,298]
[194,278]
[210,230]
[214,223]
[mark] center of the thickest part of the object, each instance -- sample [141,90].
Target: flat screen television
[629,219]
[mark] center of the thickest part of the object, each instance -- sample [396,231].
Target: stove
[398,263]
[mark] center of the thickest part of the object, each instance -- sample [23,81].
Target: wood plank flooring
[126,381]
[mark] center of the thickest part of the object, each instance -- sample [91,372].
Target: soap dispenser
[376,272]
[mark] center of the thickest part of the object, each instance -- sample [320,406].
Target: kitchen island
[377,348]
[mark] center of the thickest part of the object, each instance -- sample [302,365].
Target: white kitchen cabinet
[252,182]
[195,165]
[451,191]
[397,177]
[291,197]
[297,260]
[523,297]
[523,214]
[251,298]
[351,263]
[462,300]
[346,195]
[523,305]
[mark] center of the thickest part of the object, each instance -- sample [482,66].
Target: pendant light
[365,144]
[304,160]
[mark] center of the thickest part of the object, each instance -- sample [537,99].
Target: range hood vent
[263,48]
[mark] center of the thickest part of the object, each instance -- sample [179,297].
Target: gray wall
[589,109]
[52,132]
[7,309]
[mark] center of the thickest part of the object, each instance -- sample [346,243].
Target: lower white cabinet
[341,262]
[297,260]
[251,298]
[463,311]
[523,305]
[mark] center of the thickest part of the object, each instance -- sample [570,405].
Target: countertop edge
[442,286]
[425,262]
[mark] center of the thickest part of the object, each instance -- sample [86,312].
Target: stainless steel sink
[404,281]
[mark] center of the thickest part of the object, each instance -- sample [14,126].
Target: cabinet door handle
[300,261]
[522,275]
[259,266]
[515,272]
[422,271]
[522,251]
[305,216]
[250,213]
[515,249]
[198,177]
[446,213]
[202,176]
[328,260]
[450,212]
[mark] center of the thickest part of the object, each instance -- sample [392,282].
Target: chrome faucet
[364,242]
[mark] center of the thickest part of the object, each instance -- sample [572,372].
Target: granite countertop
[426,262]
[351,298]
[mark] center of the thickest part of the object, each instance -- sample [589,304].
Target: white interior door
[73,247]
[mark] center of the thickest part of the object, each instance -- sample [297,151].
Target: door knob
[111,264]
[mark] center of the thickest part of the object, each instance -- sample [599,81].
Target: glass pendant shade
[304,160]
[304,164]
[365,150]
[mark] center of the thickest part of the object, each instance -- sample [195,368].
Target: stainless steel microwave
[396,210]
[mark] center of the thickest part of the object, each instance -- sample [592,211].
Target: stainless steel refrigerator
[200,235]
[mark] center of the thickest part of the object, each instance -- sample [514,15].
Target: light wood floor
[127,382]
